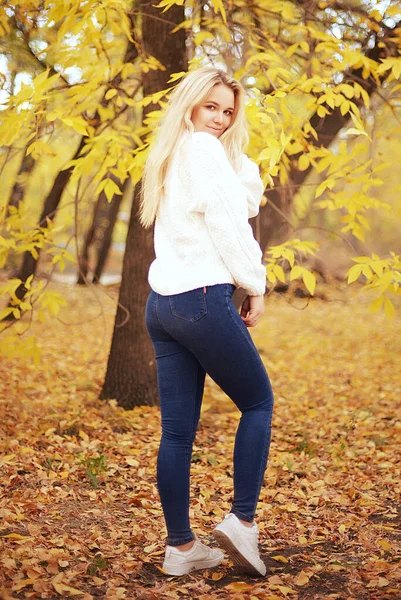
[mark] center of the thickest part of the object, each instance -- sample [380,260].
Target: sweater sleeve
[252,183]
[217,192]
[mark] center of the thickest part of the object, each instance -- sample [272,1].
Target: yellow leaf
[389,309]
[16,536]
[271,277]
[296,272]
[7,458]
[303,162]
[279,273]
[202,36]
[354,131]
[341,528]
[239,586]
[310,281]
[353,273]
[218,576]
[61,589]
[21,584]
[385,545]
[280,558]
[286,590]
[302,578]
[110,94]
[111,189]
[5,312]
[347,90]
[345,107]
[304,46]
[83,435]
[219,7]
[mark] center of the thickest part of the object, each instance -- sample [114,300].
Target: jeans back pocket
[190,306]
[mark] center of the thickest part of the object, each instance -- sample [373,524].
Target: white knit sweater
[202,234]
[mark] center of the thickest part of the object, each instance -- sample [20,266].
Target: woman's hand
[252,310]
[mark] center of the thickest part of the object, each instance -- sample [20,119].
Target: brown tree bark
[105,242]
[99,236]
[29,262]
[131,369]
[17,193]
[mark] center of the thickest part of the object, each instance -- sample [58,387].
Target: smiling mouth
[214,129]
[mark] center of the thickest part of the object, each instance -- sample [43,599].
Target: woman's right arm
[216,191]
[250,179]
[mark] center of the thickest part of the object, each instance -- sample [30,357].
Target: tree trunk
[29,262]
[105,242]
[99,235]
[17,193]
[83,258]
[131,369]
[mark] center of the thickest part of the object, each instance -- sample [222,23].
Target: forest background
[82,88]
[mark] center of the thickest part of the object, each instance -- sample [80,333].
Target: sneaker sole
[239,559]
[185,569]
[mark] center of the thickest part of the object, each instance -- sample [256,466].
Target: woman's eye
[210,106]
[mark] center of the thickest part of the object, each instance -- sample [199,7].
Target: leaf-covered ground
[79,509]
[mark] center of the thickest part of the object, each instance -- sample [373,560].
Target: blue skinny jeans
[195,333]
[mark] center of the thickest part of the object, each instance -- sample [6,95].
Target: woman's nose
[218,117]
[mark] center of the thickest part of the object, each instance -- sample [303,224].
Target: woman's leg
[221,343]
[179,376]
[180,381]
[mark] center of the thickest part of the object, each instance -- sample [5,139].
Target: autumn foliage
[80,514]
[79,510]
[323,103]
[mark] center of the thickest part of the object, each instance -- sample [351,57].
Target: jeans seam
[156,311]
[263,469]
[267,440]
[248,341]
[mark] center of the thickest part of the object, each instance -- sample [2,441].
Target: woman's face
[215,113]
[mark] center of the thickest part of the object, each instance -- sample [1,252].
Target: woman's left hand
[252,310]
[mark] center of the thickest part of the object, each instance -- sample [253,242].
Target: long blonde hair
[190,92]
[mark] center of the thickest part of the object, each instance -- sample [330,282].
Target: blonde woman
[199,190]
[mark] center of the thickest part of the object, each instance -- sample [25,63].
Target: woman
[200,190]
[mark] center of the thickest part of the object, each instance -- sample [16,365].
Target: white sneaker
[181,562]
[240,543]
